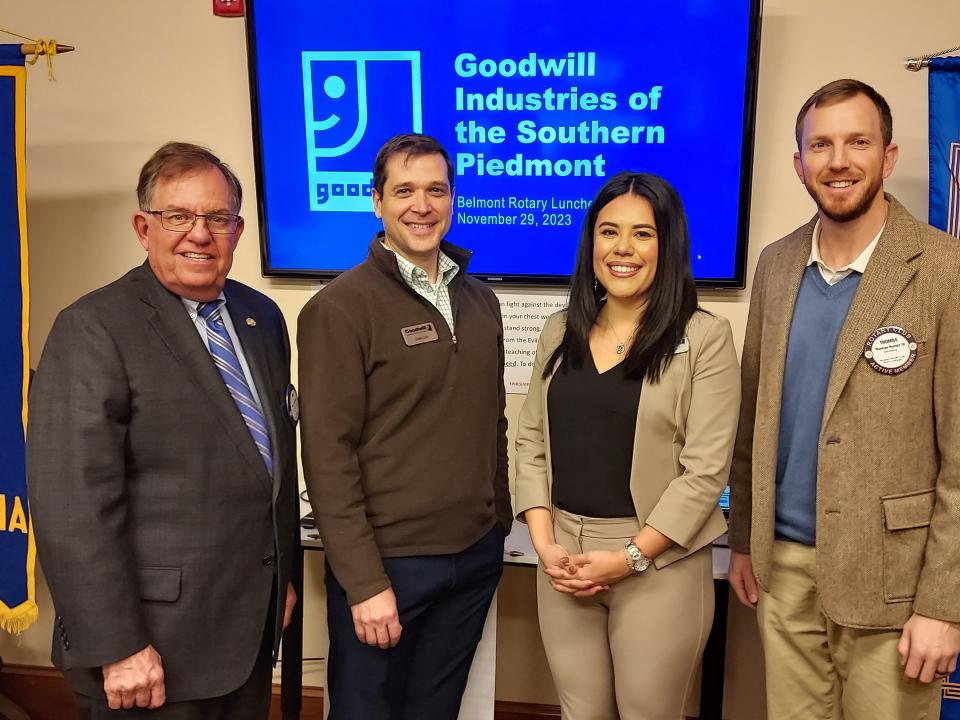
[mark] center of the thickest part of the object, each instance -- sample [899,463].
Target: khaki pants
[818,670]
[634,651]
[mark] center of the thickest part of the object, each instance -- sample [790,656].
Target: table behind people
[479,694]
[162,467]
[623,450]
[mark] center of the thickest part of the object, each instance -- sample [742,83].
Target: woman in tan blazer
[623,450]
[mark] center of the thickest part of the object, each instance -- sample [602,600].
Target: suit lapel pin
[293,404]
[251,322]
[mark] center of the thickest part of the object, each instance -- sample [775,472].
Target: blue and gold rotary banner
[18,607]
[945,214]
[945,144]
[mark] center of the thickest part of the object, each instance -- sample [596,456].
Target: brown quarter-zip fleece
[404,445]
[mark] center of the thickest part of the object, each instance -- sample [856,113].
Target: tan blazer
[686,425]
[888,474]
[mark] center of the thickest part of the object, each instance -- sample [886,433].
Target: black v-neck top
[593,419]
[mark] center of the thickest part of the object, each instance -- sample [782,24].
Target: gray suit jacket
[888,472]
[156,519]
[684,436]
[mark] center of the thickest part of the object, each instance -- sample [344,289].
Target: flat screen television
[538,103]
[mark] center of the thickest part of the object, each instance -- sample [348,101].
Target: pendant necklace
[621,348]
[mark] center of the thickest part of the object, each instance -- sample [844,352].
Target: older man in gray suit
[161,466]
[846,476]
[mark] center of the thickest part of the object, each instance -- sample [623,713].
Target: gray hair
[175,159]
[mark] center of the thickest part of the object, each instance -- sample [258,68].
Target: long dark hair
[672,297]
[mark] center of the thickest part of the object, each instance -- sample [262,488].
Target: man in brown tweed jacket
[845,523]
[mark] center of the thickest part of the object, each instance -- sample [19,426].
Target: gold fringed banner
[18,607]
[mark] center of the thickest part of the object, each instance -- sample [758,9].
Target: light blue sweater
[817,320]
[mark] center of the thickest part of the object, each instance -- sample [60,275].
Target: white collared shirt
[201,325]
[437,294]
[831,276]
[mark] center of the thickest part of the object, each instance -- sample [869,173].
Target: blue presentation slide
[538,104]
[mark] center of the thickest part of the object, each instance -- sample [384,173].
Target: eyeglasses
[183,221]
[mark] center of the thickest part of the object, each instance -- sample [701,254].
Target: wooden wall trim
[311,703]
[524,711]
[40,691]
[44,695]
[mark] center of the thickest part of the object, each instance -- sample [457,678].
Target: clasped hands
[584,574]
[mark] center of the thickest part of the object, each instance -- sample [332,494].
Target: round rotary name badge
[890,350]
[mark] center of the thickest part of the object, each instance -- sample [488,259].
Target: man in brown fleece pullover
[405,451]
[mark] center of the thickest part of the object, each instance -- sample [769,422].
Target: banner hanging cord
[47,48]
[915,64]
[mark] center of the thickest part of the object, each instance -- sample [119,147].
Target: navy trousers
[442,601]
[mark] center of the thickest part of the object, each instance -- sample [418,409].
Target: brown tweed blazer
[888,474]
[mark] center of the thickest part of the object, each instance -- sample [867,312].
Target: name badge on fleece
[890,350]
[683,347]
[419,334]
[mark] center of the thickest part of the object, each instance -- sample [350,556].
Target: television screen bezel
[737,282]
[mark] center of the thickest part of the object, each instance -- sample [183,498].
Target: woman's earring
[594,286]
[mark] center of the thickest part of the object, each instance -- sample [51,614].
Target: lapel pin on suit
[293,404]
[251,322]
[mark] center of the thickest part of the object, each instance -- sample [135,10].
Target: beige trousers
[633,651]
[818,670]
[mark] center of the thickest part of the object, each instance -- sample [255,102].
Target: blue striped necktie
[225,358]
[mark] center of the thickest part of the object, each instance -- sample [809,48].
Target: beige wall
[146,72]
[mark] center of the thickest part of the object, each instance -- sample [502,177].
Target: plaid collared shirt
[437,295]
